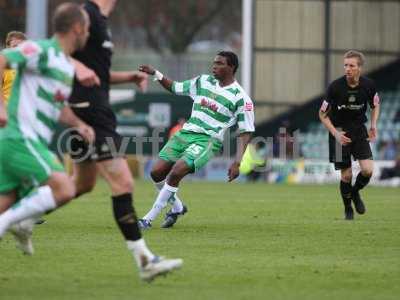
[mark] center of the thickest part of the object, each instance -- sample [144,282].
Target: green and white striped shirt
[42,84]
[216,108]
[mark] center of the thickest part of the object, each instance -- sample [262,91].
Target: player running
[92,104]
[43,82]
[219,102]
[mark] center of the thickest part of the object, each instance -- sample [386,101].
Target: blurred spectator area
[179,37]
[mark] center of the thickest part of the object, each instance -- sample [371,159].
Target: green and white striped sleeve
[187,87]
[245,115]
[25,56]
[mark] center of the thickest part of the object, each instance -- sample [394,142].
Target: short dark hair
[15,35]
[66,15]
[231,59]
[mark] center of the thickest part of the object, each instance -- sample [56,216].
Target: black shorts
[359,148]
[107,143]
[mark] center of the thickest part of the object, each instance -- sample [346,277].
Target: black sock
[345,191]
[125,216]
[361,182]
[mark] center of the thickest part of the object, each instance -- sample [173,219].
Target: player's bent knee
[157,175]
[367,172]
[68,194]
[346,176]
[177,173]
[160,170]
[83,188]
[174,178]
[63,190]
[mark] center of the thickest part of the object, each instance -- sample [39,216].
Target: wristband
[158,76]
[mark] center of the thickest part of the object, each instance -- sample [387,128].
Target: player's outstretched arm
[163,80]
[139,78]
[243,140]
[3,112]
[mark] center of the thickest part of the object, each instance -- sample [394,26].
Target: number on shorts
[195,149]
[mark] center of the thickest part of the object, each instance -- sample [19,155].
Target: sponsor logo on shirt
[208,104]
[350,107]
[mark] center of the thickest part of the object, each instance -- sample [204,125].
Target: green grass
[238,241]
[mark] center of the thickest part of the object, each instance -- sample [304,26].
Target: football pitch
[238,241]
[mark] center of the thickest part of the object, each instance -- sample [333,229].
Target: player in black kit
[343,114]
[92,105]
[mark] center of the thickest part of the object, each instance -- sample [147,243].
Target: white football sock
[33,205]
[177,205]
[162,199]
[140,252]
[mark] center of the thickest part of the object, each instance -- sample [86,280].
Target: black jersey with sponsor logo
[97,56]
[348,105]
